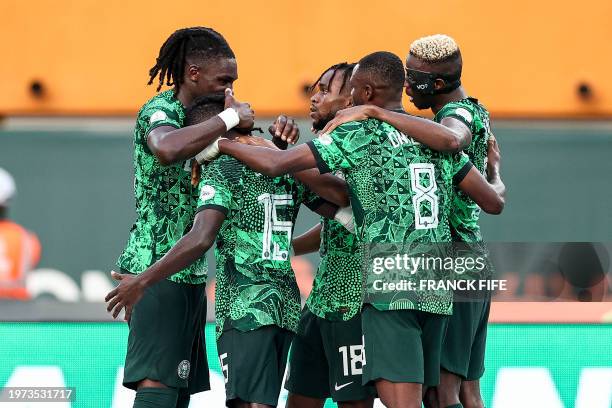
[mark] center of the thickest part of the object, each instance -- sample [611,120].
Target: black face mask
[423,82]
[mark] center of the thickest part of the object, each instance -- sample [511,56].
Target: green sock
[455,406]
[183,398]
[156,398]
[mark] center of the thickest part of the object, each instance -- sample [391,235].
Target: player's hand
[256,141]
[246,114]
[196,172]
[493,155]
[126,295]
[285,129]
[347,115]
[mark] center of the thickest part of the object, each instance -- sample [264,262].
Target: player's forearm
[269,162]
[482,192]
[434,135]
[308,242]
[496,182]
[186,251]
[182,144]
[327,186]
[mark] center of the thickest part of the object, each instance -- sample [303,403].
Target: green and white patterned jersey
[337,289]
[465,213]
[400,192]
[165,199]
[256,285]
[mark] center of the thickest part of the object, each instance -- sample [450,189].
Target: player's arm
[490,197]
[171,145]
[326,209]
[308,242]
[270,162]
[340,150]
[332,188]
[450,135]
[493,166]
[185,252]
[328,186]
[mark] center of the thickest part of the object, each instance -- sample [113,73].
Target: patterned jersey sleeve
[463,113]
[160,113]
[461,166]
[217,185]
[342,149]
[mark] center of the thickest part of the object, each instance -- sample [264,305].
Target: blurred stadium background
[75,75]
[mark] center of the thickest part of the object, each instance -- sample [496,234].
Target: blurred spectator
[19,248]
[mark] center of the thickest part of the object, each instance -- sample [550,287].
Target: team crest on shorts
[183,369]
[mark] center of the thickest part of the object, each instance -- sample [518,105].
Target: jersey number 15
[272,250]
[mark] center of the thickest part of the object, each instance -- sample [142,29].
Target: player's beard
[320,123]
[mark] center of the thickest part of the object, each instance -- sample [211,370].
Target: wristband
[210,152]
[345,217]
[230,118]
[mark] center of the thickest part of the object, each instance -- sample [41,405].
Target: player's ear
[368,92]
[348,102]
[439,84]
[193,72]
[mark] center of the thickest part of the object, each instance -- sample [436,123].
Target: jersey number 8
[424,193]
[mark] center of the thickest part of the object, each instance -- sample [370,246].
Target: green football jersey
[256,285]
[165,199]
[337,289]
[401,194]
[465,213]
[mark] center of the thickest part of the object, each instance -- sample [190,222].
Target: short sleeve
[459,112]
[461,166]
[160,113]
[342,149]
[215,188]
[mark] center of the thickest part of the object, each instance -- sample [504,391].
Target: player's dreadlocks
[344,67]
[201,42]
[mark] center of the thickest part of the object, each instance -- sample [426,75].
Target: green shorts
[463,349]
[166,341]
[253,363]
[327,360]
[402,345]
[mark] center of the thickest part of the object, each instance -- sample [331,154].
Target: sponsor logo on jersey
[183,369]
[207,192]
[464,113]
[157,116]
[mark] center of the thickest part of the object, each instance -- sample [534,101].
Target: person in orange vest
[19,248]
